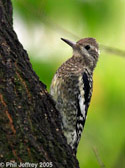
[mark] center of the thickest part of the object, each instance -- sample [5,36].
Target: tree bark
[30,128]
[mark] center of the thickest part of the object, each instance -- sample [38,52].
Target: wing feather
[84,97]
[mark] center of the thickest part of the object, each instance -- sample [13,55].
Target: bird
[72,86]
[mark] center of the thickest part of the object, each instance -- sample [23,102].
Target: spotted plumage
[71,88]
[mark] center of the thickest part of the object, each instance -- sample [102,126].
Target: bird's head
[87,49]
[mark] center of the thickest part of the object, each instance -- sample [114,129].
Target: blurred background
[40,25]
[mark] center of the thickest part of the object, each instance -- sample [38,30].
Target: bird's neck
[83,61]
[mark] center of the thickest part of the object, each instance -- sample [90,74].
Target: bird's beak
[72,44]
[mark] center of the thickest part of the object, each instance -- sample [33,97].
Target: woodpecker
[72,86]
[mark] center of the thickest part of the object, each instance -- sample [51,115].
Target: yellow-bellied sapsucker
[71,88]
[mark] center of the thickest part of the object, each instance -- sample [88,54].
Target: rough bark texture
[29,123]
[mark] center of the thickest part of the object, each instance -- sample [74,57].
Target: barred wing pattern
[84,97]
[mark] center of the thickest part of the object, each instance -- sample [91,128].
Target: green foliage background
[103,139]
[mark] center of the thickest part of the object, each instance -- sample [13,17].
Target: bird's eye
[87,47]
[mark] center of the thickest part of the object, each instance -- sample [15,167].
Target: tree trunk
[29,123]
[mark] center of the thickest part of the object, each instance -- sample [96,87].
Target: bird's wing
[84,97]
